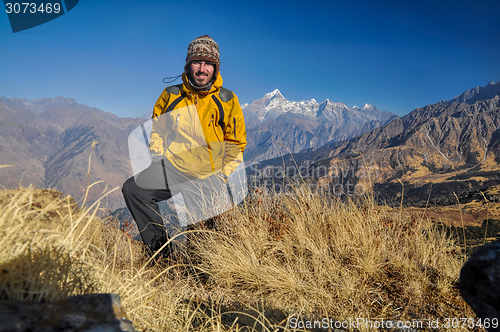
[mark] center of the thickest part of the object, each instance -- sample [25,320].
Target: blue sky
[396,55]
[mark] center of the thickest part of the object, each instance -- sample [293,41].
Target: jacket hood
[216,85]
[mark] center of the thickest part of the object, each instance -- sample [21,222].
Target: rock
[91,312]
[479,284]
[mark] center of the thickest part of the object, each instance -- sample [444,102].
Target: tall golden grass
[323,257]
[299,255]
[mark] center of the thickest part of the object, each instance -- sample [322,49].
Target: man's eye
[207,63]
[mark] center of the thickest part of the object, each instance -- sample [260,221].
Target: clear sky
[396,55]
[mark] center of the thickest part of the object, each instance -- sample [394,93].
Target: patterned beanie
[204,48]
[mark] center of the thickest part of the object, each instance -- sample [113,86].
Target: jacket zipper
[212,122]
[234,122]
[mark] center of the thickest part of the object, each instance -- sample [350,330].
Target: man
[197,140]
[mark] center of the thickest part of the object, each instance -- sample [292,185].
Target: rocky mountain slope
[49,142]
[276,126]
[451,146]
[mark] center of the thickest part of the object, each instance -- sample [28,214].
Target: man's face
[200,72]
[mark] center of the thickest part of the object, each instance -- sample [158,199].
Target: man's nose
[202,66]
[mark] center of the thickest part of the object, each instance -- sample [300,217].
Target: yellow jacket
[199,132]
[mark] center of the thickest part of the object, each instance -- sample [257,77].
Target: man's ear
[216,72]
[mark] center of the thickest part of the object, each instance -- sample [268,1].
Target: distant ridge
[277,126]
[50,141]
[478,93]
[434,150]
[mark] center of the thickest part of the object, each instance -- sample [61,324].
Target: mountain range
[49,143]
[450,146]
[277,126]
[454,142]
[52,142]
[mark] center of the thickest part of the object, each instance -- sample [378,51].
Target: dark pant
[159,182]
[143,205]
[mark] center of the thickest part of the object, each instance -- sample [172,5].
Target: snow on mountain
[275,94]
[273,122]
[369,107]
[274,104]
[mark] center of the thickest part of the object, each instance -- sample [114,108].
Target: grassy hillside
[276,259]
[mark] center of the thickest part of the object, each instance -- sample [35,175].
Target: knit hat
[204,48]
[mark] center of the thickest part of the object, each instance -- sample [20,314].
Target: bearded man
[197,140]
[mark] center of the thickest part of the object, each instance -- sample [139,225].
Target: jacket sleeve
[235,137]
[158,132]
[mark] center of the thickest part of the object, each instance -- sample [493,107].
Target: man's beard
[196,85]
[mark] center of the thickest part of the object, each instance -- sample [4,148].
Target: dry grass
[300,255]
[321,257]
[36,264]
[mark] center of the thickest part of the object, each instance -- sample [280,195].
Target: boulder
[91,312]
[479,284]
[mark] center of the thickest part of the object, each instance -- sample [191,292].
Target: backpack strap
[174,89]
[221,112]
[225,95]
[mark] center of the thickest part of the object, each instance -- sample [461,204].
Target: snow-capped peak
[274,99]
[337,105]
[368,107]
[273,105]
[273,94]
